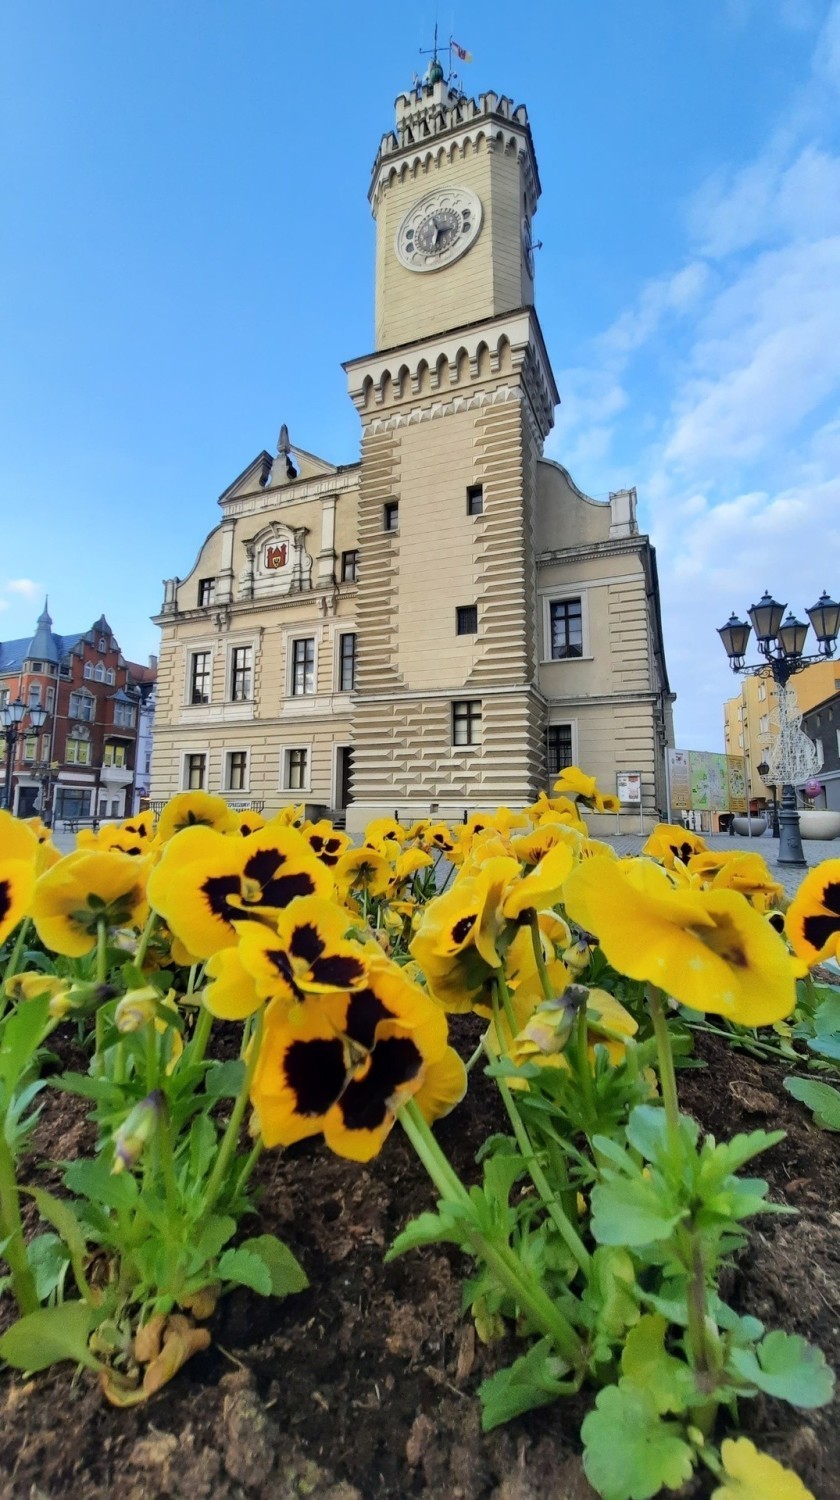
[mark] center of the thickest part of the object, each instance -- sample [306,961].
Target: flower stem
[11,1230]
[504,995]
[549,1198]
[667,1074]
[167,1161]
[536,940]
[231,1135]
[505,1265]
[584,1072]
[201,1035]
[140,955]
[14,957]
[101,951]
[251,1160]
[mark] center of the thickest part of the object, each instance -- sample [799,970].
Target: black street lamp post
[12,716]
[781,642]
[764,772]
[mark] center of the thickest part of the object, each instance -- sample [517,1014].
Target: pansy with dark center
[304,950]
[206,882]
[812,921]
[18,860]
[85,891]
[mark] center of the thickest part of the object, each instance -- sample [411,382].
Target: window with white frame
[114,755]
[50,699]
[110,677]
[33,697]
[81,705]
[206,592]
[77,751]
[566,628]
[303,666]
[30,747]
[347,662]
[195,771]
[200,673]
[236,771]
[296,769]
[240,674]
[103,644]
[88,671]
[99,672]
[124,715]
[762,692]
[466,721]
[560,752]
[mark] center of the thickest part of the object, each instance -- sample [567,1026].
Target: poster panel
[737,783]
[709,781]
[680,780]
[628,786]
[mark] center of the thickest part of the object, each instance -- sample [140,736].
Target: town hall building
[319,650]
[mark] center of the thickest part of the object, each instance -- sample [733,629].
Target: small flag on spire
[460,51]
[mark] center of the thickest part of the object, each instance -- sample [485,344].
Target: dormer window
[103,645]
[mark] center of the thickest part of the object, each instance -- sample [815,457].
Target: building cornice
[256,501]
[588,550]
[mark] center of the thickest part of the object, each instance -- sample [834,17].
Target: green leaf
[630,1453]
[286,1273]
[787,1366]
[827,1014]
[59,1213]
[47,1258]
[532,1380]
[224,1079]
[826,1046]
[820,1098]
[632,1213]
[610,1291]
[647,1364]
[22,1032]
[96,1181]
[246,1269]
[647,1132]
[51,1334]
[426,1229]
[218,1229]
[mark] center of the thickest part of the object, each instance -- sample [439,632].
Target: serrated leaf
[826,1046]
[647,1132]
[647,1364]
[95,1180]
[827,1015]
[820,1098]
[532,1380]
[286,1273]
[630,1453]
[426,1229]
[787,1366]
[49,1335]
[247,1269]
[59,1213]
[631,1213]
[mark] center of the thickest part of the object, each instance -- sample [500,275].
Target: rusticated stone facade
[442,625]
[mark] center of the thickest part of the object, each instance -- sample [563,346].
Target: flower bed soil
[363,1387]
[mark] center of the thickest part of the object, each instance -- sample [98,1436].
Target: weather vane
[434,72]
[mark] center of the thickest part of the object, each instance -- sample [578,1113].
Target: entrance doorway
[344,777]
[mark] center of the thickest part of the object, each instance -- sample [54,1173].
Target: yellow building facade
[443,625]
[751,721]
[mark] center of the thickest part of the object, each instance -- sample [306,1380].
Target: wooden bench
[72,825]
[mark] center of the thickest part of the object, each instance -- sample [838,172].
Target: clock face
[439,229]
[528,246]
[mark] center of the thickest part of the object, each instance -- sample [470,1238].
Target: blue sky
[187,256]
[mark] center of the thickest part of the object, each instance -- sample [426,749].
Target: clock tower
[455,400]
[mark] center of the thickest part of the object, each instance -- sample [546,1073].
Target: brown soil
[363,1387]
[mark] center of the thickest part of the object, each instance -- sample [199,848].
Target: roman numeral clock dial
[438,229]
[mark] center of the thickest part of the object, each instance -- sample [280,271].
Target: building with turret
[444,624]
[79,763]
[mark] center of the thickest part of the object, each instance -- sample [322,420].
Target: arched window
[110,677]
[88,670]
[99,673]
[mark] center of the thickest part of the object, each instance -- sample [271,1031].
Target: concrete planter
[754,827]
[819,823]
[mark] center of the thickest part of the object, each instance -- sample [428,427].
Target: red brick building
[81,762]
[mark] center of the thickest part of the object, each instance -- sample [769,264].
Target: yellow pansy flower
[231,993]
[812,920]
[669,842]
[327,843]
[384,830]
[532,847]
[249,821]
[85,889]
[288,817]
[191,809]
[556,810]
[305,951]
[543,886]
[751,1475]
[345,1067]
[708,949]
[365,869]
[18,855]
[206,882]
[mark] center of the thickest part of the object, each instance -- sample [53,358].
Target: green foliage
[821,1098]
[49,1335]
[786,1366]
[535,1379]
[630,1452]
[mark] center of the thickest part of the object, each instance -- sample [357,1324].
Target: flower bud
[137,1008]
[136,1131]
[577,957]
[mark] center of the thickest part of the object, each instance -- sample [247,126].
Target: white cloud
[26,587]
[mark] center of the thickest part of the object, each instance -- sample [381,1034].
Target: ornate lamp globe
[766,618]
[792,635]
[735,634]
[825,622]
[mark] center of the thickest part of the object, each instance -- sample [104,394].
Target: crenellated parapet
[436,123]
[468,367]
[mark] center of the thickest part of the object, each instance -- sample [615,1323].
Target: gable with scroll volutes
[566,517]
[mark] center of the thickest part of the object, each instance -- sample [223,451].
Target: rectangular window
[347,663]
[114,755]
[466,721]
[303,666]
[206,591]
[762,692]
[349,567]
[296,769]
[50,699]
[475,499]
[391,515]
[77,752]
[200,677]
[34,695]
[240,674]
[817,741]
[81,706]
[195,767]
[237,770]
[124,715]
[466,619]
[30,747]
[566,628]
[559,748]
